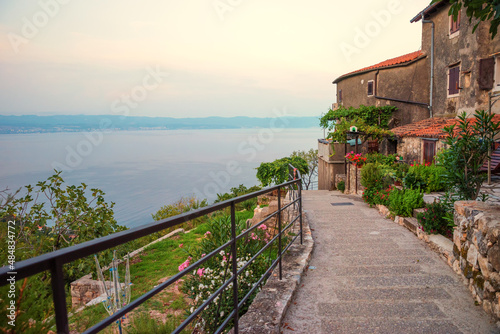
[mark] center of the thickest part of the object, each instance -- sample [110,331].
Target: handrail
[54,261]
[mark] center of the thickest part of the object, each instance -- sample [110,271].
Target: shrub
[403,202]
[185,204]
[377,196]
[201,283]
[249,204]
[436,219]
[372,176]
[381,158]
[469,143]
[341,186]
[277,172]
[400,170]
[428,177]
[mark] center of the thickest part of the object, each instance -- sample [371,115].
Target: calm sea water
[143,170]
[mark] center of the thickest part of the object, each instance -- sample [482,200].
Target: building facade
[466,65]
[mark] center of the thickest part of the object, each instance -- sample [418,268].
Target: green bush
[372,176]
[437,218]
[428,177]
[341,186]
[377,196]
[400,171]
[403,202]
[381,158]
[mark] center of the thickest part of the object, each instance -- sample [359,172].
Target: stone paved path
[370,275]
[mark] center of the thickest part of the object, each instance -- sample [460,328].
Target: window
[429,150]
[454,81]
[454,26]
[488,73]
[339,96]
[370,88]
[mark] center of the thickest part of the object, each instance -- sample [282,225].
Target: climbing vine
[372,121]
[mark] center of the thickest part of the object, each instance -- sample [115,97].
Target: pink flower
[203,255]
[181,245]
[262,227]
[184,265]
[254,237]
[207,233]
[200,271]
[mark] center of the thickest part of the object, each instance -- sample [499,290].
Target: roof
[393,62]
[428,11]
[431,127]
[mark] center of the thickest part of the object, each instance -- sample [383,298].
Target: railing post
[279,230]
[59,297]
[300,210]
[235,266]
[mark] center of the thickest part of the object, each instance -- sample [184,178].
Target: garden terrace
[54,261]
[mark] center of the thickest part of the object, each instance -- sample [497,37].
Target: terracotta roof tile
[430,127]
[389,62]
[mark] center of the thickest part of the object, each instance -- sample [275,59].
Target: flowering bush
[357,159]
[211,275]
[377,196]
[434,219]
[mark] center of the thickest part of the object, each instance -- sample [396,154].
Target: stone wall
[476,251]
[411,148]
[86,289]
[353,180]
[391,83]
[465,49]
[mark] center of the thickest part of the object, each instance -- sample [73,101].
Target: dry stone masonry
[477,251]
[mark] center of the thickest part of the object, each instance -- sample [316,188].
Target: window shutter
[454,79]
[486,73]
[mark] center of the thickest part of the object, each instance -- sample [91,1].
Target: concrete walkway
[370,275]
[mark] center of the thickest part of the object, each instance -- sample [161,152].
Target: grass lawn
[165,311]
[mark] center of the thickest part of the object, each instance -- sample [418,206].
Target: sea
[140,171]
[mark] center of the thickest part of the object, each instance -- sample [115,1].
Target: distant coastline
[84,123]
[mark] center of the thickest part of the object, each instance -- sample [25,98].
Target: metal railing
[54,261]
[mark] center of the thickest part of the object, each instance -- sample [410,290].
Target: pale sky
[192,58]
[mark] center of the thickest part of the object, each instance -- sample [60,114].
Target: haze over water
[142,170]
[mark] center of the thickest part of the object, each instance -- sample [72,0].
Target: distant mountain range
[77,123]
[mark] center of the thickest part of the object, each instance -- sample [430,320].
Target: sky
[194,58]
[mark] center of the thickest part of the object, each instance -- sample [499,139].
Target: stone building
[401,82]
[466,65]
[420,141]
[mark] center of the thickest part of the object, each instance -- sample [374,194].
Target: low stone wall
[476,251]
[271,303]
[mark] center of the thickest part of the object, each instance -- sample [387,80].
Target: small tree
[49,217]
[277,171]
[469,145]
[311,157]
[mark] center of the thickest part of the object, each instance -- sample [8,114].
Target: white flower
[247,273]
[192,309]
[222,314]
